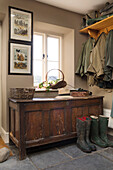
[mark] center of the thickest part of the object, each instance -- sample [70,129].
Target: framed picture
[20,24]
[20,58]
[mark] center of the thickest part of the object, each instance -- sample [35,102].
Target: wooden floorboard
[2,145]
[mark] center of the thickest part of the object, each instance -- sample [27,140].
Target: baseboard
[4,135]
[110,131]
[107,112]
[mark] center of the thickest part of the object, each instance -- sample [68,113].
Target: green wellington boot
[95,132]
[88,126]
[103,128]
[81,143]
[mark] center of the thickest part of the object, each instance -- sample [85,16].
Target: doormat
[2,145]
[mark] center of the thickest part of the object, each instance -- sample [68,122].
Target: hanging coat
[83,62]
[79,69]
[112,108]
[109,53]
[108,57]
[97,57]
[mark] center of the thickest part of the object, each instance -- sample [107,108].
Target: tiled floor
[66,157]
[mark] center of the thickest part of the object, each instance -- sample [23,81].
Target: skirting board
[107,112]
[4,135]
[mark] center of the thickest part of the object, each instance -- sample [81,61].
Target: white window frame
[44,39]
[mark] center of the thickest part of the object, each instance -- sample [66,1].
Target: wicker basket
[59,84]
[22,93]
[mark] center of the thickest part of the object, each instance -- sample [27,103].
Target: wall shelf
[96,29]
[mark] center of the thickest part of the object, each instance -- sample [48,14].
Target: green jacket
[112,108]
[83,61]
[97,57]
[79,69]
[108,57]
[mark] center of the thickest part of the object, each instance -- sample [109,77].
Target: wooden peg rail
[96,29]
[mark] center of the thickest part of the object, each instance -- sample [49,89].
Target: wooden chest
[41,121]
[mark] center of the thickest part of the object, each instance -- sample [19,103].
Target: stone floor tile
[14,164]
[14,150]
[88,162]
[48,158]
[72,150]
[108,153]
[64,156]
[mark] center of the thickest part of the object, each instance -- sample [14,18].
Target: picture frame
[20,24]
[20,58]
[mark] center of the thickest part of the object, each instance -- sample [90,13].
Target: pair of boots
[99,126]
[83,131]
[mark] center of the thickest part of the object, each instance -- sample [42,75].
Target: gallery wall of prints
[20,41]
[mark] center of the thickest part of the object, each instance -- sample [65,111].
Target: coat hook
[107,30]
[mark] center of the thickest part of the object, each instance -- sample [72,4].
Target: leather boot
[80,126]
[88,126]
[103,126]
[95,132]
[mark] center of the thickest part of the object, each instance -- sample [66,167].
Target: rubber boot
[103,126]
[80,126]
[95,132]
[88,126]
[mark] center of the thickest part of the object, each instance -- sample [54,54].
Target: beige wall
[4,71]
[42,13]
[107,93]
[68,58]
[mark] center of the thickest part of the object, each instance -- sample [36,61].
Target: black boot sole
[82,149]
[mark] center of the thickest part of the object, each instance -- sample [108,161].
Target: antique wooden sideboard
[46,120]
